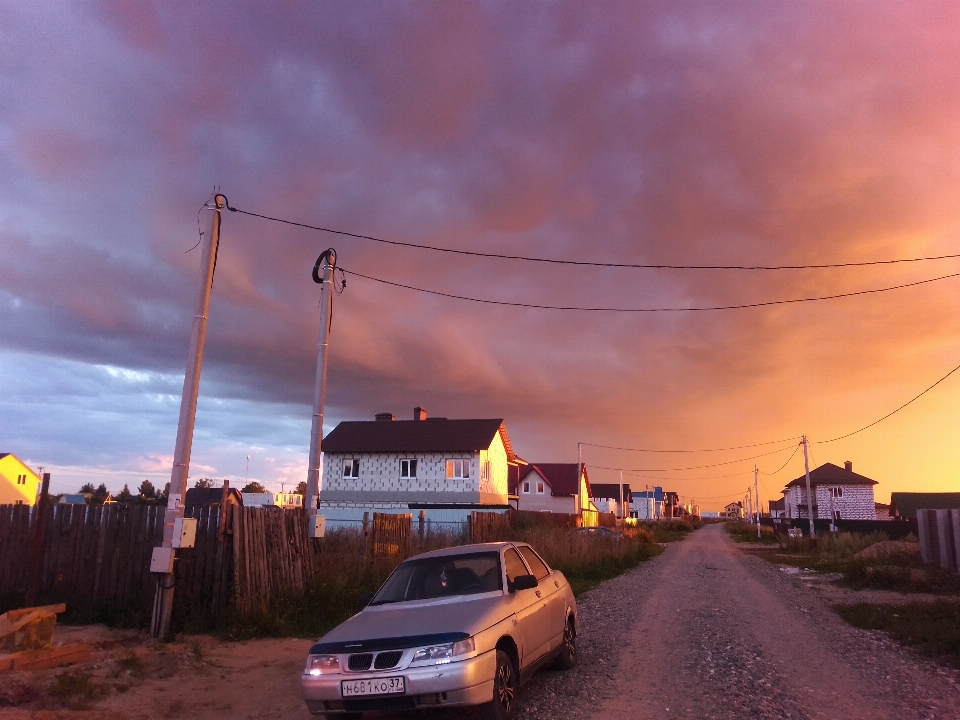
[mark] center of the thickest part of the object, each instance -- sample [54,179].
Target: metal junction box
[161,561]
[318,525]
[184,532]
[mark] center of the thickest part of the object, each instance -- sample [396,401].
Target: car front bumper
[468,682]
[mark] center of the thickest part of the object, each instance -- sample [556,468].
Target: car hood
[413,624]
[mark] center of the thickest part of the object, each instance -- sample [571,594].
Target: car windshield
[442,576]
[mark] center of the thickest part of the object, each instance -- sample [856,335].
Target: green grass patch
[932,629]
[742,531]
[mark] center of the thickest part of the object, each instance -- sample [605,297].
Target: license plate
[372,686]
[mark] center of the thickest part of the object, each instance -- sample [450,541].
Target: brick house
[733,511]
[445,468]
[612,497]
[836,490]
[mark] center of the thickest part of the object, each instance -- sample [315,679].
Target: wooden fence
[96,559]
[391,535]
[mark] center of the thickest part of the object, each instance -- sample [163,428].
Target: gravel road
[707,631]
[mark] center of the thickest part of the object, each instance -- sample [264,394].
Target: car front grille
[360,661]
[387,660]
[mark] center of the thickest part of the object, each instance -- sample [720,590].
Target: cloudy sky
[693,133]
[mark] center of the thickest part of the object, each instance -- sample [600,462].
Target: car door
[550,595]
[529,611]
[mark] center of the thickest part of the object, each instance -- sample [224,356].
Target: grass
[743,531]
[345,578]
[932,629]
[76,689]
[667,531]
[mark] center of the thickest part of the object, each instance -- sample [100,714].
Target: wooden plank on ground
[51,657]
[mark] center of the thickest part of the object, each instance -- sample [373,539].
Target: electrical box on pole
[318,527]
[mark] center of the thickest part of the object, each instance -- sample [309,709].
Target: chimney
[848,466]
[383,417]
[419,413]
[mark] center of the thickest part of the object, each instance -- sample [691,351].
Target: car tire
[568,651]
[506,688]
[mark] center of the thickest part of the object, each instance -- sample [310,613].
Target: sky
[647,133]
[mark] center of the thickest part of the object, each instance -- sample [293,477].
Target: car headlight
[443,653]
[322,665]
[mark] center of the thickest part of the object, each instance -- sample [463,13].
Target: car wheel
[568,653]
[505,687]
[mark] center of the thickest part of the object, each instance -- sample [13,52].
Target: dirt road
[721,634]
[702,631]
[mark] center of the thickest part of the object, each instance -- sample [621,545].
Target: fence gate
[391,534]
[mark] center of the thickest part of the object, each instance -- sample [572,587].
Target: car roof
[465,549]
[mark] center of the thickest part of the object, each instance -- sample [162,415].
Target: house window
[539,488]
[351,468]
[458,469]
[526,487]
[408,468]
[837,492]
[485,471]
[836,515]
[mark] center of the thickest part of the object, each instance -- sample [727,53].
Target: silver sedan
[460,626]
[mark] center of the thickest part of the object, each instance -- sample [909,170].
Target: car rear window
[442,576]
[537,566]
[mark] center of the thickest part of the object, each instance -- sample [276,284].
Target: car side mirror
[365,599]
[524,582]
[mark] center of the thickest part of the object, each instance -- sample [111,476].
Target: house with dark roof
[445,468]
[904,505]
[647,504]
[555,487]
[778,508]
[612,497]
[733,511]
[838,493]
[18,483]
[211,496]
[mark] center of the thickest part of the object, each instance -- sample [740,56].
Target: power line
[913,399]
[637,473]
[578,308]
[780,469]
[738,447]
[558,261]
[694,467]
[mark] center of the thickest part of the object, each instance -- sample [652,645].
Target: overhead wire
[697,467]
[586,263]
[894,412]
[580,308]
[737,447]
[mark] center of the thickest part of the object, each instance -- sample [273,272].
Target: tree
[86,489]
[124,495]
[101,490]
[146,491]
[301,488]
[254,487]
[205,483]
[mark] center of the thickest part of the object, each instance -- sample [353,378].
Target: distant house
[837,491]
[264,499]
[444,468]
[612,497]
[733,511]
[211,496]
[778,508]
[882,512]
[74,499]
[904,505]
[555,487]
[18,483]
[647,504]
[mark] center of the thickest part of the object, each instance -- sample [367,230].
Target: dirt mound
[889,549]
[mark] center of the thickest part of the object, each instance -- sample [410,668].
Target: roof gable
[416,436]
[830,474]
[561,477]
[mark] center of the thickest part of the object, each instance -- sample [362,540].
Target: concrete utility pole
[806,469]
[756,489]
[163,600]
[328,261]
[579,473]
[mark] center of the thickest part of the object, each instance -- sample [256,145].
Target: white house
[554,487]
[612,498]
[837,492]
[445,468]
[734,511]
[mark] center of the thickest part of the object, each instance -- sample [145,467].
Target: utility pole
[806,469]
[622,513]
[579,473]
[756,489]
[163,600]
[328,261]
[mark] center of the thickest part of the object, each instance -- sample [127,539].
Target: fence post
[222,525]
[423,518]
[36,544]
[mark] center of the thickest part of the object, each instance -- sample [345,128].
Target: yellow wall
[10,492]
